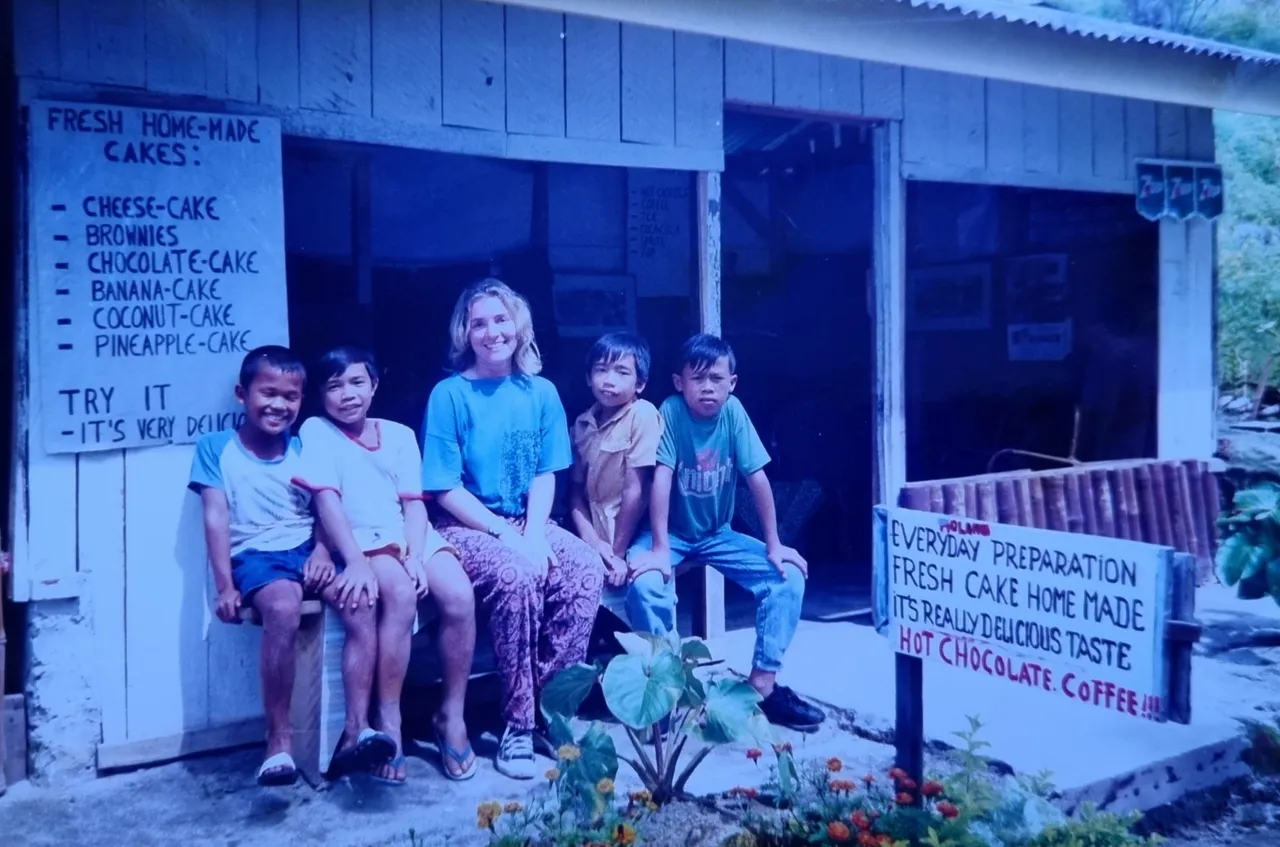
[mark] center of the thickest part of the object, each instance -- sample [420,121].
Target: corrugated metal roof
[1033,13]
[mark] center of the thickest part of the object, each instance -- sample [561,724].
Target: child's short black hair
[613,346]
[704,350]
[336,361]
[273,356]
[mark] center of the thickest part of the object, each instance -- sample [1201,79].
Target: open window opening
[1031,330]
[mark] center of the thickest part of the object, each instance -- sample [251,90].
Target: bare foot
[453,734]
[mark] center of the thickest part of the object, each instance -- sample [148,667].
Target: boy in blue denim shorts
[259,529]
[707,442]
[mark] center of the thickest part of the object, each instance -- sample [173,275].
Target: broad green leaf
[694,650]
[597,759]
[729,708]
[694,694]
[639,643]
[566,690]
[1232,558]
[558,729]
[1264,497]
[1253,584]
[640,693]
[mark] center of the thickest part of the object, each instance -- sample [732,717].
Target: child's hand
[418,573]
[654,560]
[6,562]
[781,555]
[228,608]
[318,572]
[615,570]
[356,579]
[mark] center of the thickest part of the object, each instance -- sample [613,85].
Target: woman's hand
[532,544]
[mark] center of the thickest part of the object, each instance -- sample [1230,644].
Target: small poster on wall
[590,306]
[951,297]
[1039,310]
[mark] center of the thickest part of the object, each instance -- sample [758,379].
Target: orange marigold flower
[624,835]
[784,747]
[837,831]
[513,808]
[641,796]
[897,774]
[749,793]
[754,754]
[860,820]
[907,784]
[569,753]
[932,788]
[605,785]
[904,799]
[947,809]
[834,765]
[869,779]
[552,774]
[866,839]
[843,785]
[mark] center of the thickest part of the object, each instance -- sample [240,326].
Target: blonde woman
[494,436]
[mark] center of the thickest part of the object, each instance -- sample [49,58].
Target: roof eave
[955,42]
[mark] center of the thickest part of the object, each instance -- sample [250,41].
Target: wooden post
[3,579]
[708,614]
[888,298]
[908,726]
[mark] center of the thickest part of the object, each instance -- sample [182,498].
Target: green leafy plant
[1249,556]
[577,807]
[656,681]
[964,809]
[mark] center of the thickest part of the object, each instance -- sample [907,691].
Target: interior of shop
[1024,308]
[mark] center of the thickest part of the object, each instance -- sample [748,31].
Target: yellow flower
[605,786]
[513,808]
[651,806]
[487,813]
[569,753]
[624,835]
[552,774]
[641,796]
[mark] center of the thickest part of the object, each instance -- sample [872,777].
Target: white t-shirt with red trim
[374,479]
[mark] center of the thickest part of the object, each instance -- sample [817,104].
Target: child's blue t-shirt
[706,458]
[267,511]
[492,437]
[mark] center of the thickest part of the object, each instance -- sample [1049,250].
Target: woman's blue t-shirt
[493,436]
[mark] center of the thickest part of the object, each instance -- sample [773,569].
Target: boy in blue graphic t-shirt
[707,441]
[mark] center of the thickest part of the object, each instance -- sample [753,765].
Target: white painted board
[1077,616]
[157,256]
[660,228]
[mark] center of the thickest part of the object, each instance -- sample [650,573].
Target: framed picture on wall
[587,306]
[949,297]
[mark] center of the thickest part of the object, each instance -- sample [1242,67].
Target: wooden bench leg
[304,709]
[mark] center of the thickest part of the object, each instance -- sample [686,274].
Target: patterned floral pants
[539,625]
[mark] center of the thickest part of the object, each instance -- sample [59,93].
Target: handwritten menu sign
[157,260]
[660,242]
[1077,616]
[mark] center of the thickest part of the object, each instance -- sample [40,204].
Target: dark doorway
[796,235]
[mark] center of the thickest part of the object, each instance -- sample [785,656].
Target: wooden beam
[709,620]
[151,751]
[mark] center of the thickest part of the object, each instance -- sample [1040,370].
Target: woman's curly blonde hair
[527,360]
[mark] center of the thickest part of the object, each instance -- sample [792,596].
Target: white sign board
[660,232]
[1040,342]
[157,261]
[1078,616]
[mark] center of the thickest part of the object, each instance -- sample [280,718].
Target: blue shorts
[253,570]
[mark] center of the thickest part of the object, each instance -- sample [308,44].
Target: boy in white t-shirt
[366,476]
[259,531]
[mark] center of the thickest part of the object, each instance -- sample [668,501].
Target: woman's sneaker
[515,754]
[784,707]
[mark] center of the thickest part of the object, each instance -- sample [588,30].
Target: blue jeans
[651,602]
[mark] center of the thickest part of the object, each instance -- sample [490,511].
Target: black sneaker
[785,708]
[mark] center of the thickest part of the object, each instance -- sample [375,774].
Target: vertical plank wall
[472,77]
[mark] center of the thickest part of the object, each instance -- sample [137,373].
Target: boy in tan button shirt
[615,448]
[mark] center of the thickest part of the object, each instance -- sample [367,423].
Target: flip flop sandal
[372,748]
[395,764]
[459,758]
[278,771]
